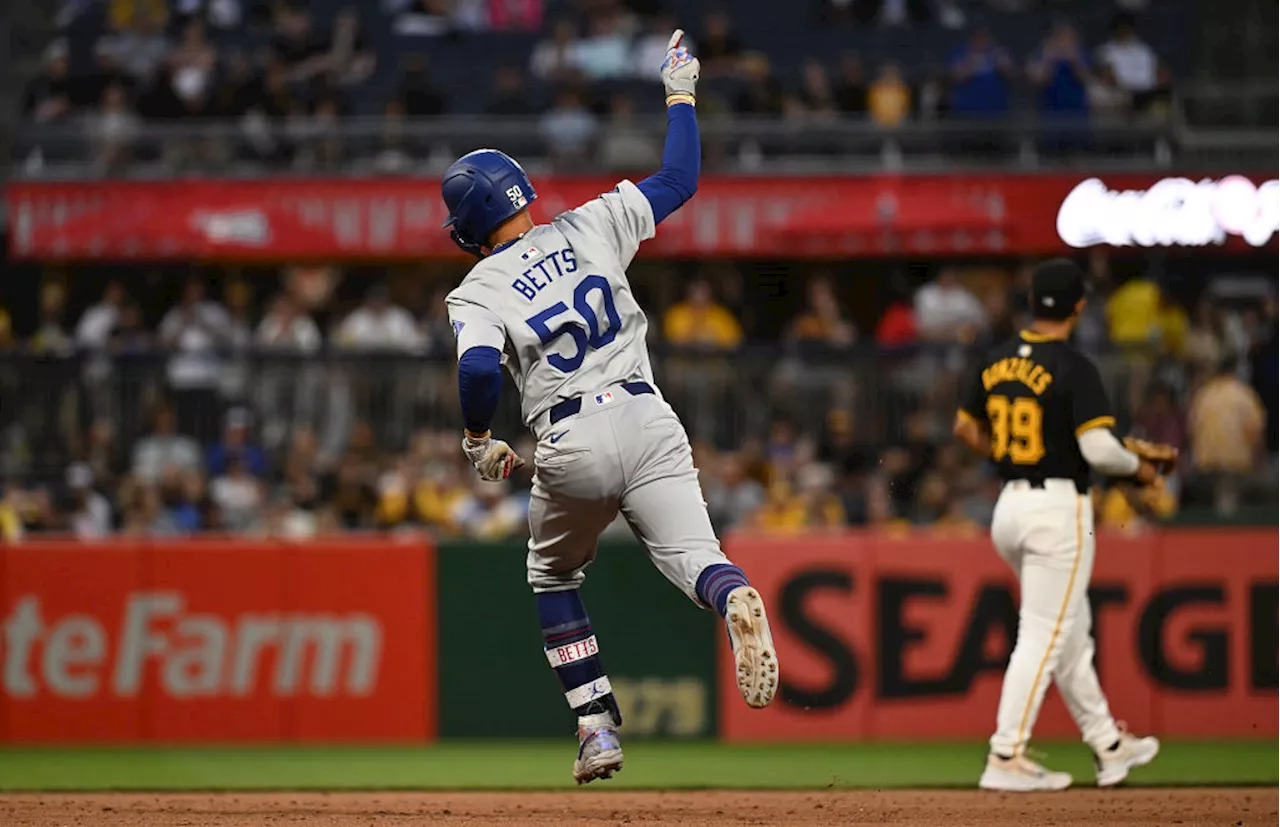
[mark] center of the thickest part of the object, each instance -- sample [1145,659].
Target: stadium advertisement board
[211,640]
[658,647]
[883,638]
[793,217]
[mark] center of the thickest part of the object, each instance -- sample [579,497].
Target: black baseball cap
[1056,286]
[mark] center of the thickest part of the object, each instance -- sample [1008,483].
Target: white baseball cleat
[1130,751]
[599,748]
[1020,774]
[754,658]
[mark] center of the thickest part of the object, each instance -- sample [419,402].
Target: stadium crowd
[323,410]
[284,75]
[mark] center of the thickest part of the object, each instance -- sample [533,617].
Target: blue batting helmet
[482,189]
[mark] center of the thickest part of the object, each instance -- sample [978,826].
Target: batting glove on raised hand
[493,458]
[680,71]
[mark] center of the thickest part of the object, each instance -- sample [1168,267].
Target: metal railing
[743,145]
[57,407]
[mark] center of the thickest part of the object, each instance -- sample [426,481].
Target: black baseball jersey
[1036,396]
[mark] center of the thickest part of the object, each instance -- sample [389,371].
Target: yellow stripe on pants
[1057,626]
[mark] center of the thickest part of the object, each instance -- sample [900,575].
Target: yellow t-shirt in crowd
[1133,312]
[888,102]
[711,325]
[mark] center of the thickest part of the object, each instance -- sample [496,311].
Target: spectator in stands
[981,74]
[946,311]
[555,58]
[349,58]
[851,91]
[418,94]
[1061,72]
[302,54]
[88,512]
[1225,422]
[897,327]
[510,96]
[1135,65]
[113,129]
[107,71]
[889,97]
[491,512]
[51,337]
[569,128]
[238,496]
[732,496]
[624,146]
[759,93]
[605,52]
[424,18]
[192,65]
[96,324]
[651,46]
[196,330]
[1159,419]
[141,46]
[815,90]
[236,446]
[1107,101]
[822,321]
[717,48]
[48,94]
[379,325]
[699,322]
[164,448]
[933,94]
[512,15]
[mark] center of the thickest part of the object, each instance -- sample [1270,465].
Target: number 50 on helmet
[482,189]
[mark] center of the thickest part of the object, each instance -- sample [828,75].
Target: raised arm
[677,180]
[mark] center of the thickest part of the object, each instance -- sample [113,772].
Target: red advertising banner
[200,641]
[796,217]
[882,638]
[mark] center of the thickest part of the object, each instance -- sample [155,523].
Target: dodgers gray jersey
[557,304]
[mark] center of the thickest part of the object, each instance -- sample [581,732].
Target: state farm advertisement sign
[908,638]
[216,641]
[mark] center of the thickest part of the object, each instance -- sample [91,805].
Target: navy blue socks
[574,654]
[715,582]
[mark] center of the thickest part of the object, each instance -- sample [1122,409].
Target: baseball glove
[1163,457]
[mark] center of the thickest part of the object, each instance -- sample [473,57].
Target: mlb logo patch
[532,252]
[457,328]
[517,196]
[604,398]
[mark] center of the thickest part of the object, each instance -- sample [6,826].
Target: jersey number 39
[586,331]
[1017,429]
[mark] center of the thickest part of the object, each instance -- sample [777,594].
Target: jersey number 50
[1017,429]
[586,332]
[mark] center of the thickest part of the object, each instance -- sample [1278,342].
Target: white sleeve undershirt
[1106,455]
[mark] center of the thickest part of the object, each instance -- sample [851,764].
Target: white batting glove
[680,71]
[493,458]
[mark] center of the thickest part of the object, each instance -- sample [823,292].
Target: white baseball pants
[1046,536]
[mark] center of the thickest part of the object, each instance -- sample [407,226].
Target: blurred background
[183,350]
[227,382]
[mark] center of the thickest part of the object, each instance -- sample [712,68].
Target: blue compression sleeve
[677,181]
[479,382]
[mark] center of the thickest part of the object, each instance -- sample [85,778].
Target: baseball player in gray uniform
[552,303]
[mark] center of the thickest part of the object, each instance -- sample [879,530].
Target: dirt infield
[951,808]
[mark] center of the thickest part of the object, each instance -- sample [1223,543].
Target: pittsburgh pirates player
[552,303]
[1048,422]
